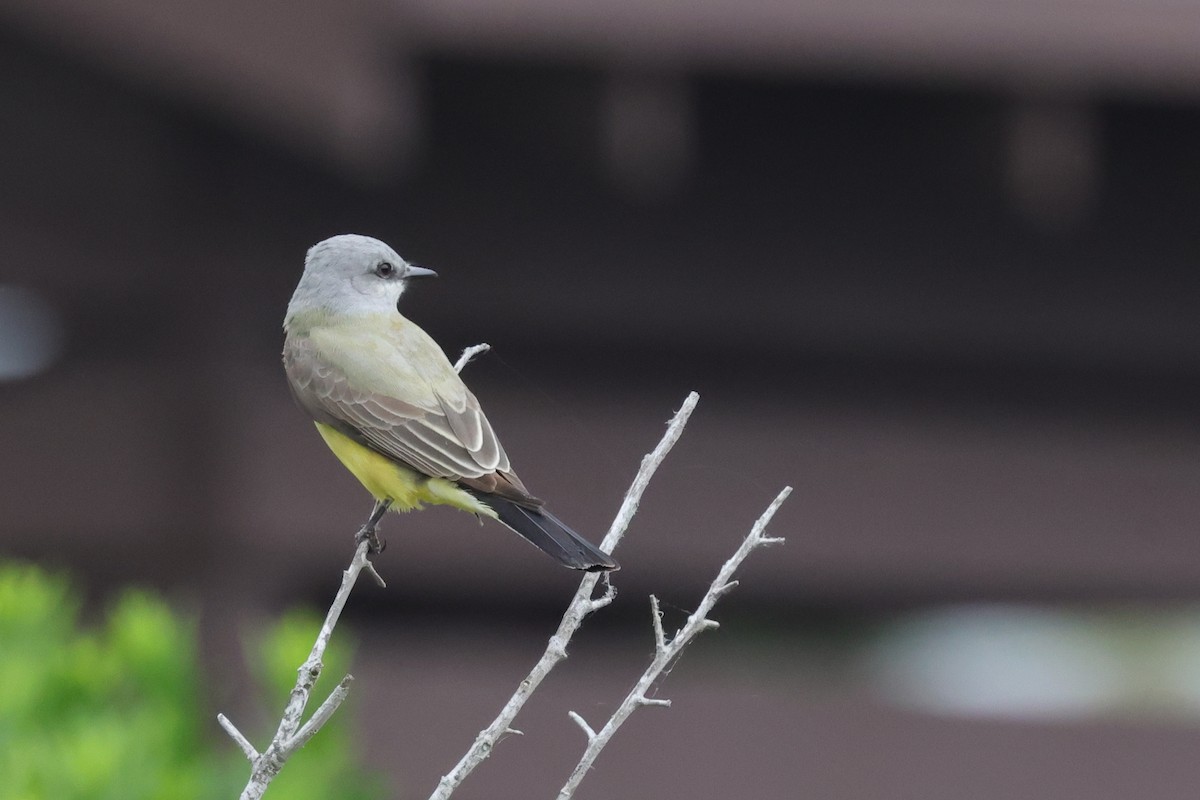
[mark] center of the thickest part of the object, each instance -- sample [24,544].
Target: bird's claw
[370,535]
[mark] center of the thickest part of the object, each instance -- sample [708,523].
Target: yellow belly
[387,480]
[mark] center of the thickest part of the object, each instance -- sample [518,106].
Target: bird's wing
[401,398]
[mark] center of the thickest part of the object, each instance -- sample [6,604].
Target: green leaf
[117,713]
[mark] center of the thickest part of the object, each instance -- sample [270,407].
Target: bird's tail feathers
[550,535]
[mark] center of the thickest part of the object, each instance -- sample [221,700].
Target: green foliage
[116,711]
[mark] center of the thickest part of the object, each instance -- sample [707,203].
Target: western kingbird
[391,407]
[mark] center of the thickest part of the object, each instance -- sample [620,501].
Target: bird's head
[352,274]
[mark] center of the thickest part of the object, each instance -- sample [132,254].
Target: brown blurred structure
[933,265]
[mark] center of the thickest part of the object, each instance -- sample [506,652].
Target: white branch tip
[597,603]
[763,520]
[369,568]
[582,723]
[469,354]
[654,701]
[726,589]
[237,737]
[322,715]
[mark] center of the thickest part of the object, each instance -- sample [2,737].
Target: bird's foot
[370,535]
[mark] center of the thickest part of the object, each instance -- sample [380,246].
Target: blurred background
[933,264]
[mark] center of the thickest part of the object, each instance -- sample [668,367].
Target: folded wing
[439,431]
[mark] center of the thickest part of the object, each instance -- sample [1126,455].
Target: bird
[392,408]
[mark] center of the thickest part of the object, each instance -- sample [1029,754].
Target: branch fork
[582,604]
[291,734]
[667,650]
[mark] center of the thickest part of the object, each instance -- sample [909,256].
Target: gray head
[352,274]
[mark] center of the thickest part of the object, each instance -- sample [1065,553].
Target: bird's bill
[419,272]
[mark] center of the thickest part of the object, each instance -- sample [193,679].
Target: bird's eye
[385,269]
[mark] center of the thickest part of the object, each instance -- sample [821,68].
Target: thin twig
[666,651]
[237,736]
[468,355]
[322,714]
[581,722]
[660,638]
[581,605]
[290,735]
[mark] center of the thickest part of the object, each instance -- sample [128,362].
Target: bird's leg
[369,532]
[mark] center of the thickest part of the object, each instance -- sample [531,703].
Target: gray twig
[468,355]
[581,605]
[291,735]
[667,650]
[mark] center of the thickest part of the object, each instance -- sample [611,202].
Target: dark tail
[550,535]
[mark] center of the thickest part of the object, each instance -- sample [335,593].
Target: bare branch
[581,722]
[729,587]
[654,701]
[660,638]
[581,605]
[665,652]
[650,462]
[469,354]
[237,736]
[290,735]
[321,715]
[597,603]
